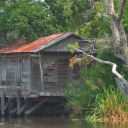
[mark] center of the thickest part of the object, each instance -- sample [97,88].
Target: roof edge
[53,42]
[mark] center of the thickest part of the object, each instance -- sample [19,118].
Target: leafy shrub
[81,94]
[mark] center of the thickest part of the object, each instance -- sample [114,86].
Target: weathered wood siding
[62,72]
[15,71]
[36,84]
[74,72]
[61,46]
[59,64]
[56,72]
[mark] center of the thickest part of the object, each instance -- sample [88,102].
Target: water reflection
[53,122]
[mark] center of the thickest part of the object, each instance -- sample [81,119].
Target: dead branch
[120,80]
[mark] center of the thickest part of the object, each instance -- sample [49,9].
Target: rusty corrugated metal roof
[22,46]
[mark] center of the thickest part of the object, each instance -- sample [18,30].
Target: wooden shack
[36,71]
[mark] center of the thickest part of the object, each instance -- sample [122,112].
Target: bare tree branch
[122,10]
[114,66]
[122,87]
[120,56]
[111,6]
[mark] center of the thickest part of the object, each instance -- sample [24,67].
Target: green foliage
[110,106]
[125,18]
[98,23]
[80,94]
[93,82]
[101,75]
[32,19]
[76,8]
[71,46]
[95,87]
[92,118]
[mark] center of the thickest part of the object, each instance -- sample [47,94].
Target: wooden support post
[35,107]
[41,72]
[2,103]
[13,111]
[19,111]
[6,106]
[12,107]
[18,91]
[28,104]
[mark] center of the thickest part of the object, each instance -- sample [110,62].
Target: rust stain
[22,45]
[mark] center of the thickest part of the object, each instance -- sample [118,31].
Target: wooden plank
[49,70]
[48,78]
[21,110]
[13,111]
[28,104]
[30,75]
[55,78]
[63,69]
[3,70]
[12,106]
[62,81]
[62,84]
[7,87]
[56,87]
[36,71]
[50,82]
[25,75]
[34,55]
[62,72]
[63,66]
[52,90]
[35,107]
[49,85]
[2,103]
[63,76]
[49,67]
[11,73]
[50,94]
[6,106]
[13,56]
[36,77]
[18,93]
[63,62]
[66,65]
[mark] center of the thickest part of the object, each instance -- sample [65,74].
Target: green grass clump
[112,105]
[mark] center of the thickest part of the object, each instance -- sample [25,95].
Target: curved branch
[120,56]
[114,66]
[122,87]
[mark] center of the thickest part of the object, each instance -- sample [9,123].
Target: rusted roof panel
[22,46]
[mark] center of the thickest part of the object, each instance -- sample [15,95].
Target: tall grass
[112,105]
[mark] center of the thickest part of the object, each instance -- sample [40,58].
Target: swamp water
[53,122]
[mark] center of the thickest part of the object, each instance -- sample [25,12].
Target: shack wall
[56,72]
[46,71]
[14,70]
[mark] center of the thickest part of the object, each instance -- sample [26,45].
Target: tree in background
[112,47]
[31,19]
[118,43]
